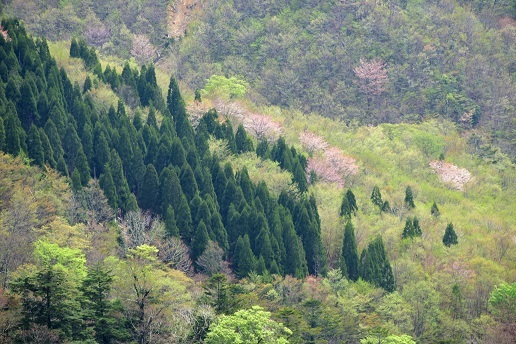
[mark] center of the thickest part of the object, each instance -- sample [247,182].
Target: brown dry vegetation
[180,14]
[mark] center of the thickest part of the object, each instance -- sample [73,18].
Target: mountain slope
[438,59]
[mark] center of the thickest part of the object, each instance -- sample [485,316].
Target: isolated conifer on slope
[349,257]
[74,48]
[434,210]
[345,208]
[376,197]
[450,237]
[417,228]
[409,198]
[386,208]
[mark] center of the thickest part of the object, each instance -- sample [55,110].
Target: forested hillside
[366,61]
[358,61]
[131,213]
[166,170]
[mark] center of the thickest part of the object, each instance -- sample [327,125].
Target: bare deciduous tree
[260,126]
[90,206]
[174,253]
[372,76]
[143,50]
[212,260]
[141,228]
[17,221]
[97,35]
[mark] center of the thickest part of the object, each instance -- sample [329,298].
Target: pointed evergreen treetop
[244,258]
[409,198]
[350,253]
[376,197]
[175,102]
[351,200]
[450,237]
[345,209]
[435,210]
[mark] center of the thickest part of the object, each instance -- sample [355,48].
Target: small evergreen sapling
[386,208]
[450,237]
[434,210]
[417,228]
[376,197]
[409,198]
[408,231]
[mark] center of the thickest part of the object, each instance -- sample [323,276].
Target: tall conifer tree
[244,257]
[149,193]
[169,218]
[170,190]
[349,256]
[35,147]
[351,201]
[375,266]
[184,220]
[409,198]
[376,197]
[199,240]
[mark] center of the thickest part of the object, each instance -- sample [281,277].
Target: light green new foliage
[502,302]
[392,339]
[249,326]
[71,261]
[230,88]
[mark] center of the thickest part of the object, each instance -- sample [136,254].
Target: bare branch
[372,76]
[143,50]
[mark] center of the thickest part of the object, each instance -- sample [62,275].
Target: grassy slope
[392,157]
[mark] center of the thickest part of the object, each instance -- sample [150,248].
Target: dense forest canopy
[368,61]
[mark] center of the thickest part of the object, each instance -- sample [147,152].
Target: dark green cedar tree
[99,310]
[434,211]
[169,218]
[170,193]
[88,85]
[148,197]
[375,266]
[376,197]
[188,182]
[35,147]
[244,258]
[184,220]
[450,237]
[199,240]
[351,201]
[349,258]
[409,198]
